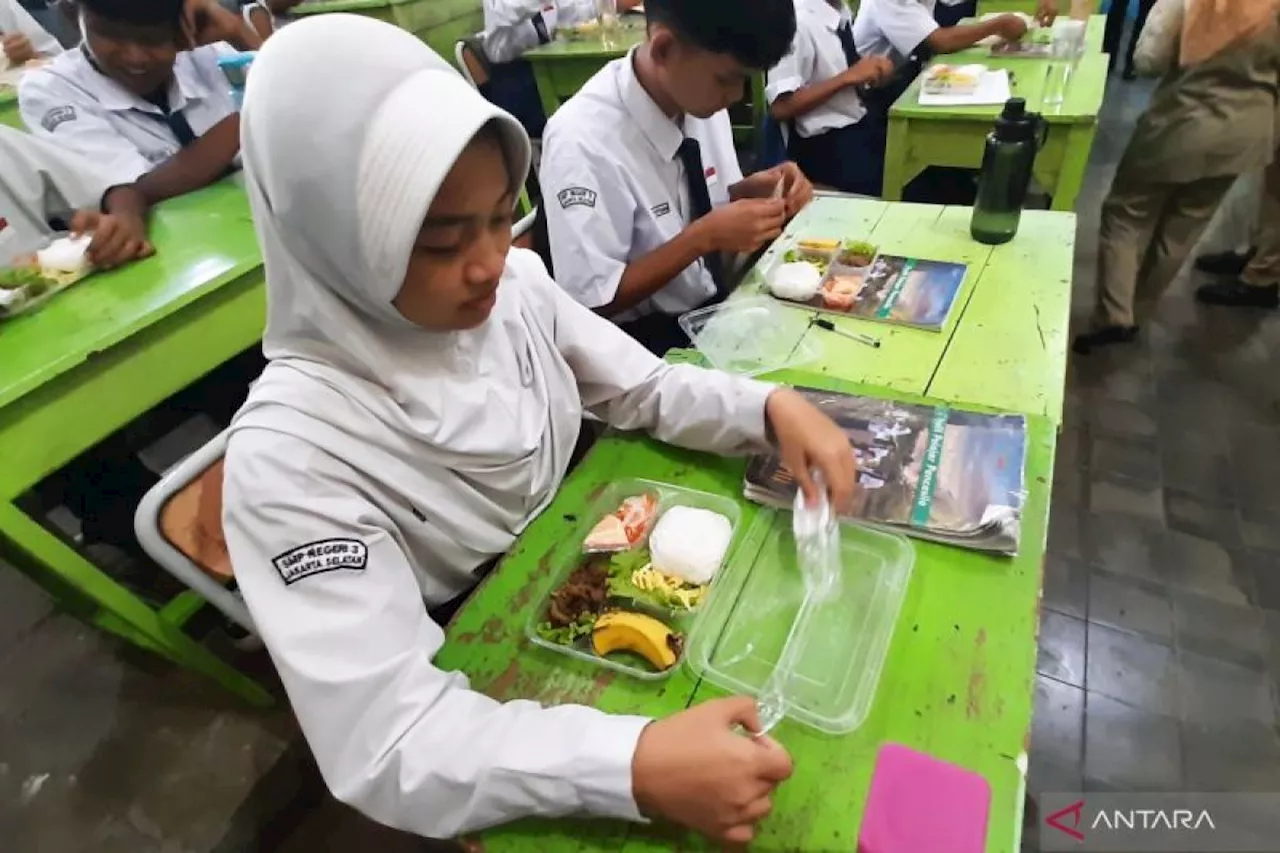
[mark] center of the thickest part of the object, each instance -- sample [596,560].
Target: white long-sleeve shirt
[338,577]
[509,24]
[15,19]
[39,180]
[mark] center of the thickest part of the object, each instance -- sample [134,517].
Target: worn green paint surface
[958,681]
[9,109]
[100,354]
[955,136]
[1094,32]
[1004,345]
[439,23]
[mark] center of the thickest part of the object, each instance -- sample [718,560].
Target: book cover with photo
[892,289]
[928,471]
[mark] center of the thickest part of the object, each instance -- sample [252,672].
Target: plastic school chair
[179,520]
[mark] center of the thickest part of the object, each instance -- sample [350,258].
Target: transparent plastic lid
[752,335]
[835,662]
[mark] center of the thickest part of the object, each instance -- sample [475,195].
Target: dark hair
[143,12]
[757,33]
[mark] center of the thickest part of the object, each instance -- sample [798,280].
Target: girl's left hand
[808,439]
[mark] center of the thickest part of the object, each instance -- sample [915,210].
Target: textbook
[932,472]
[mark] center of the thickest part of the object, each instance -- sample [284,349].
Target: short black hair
[143,12]
[757,33]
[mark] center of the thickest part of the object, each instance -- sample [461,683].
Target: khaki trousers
[1265,268]
[1147,232]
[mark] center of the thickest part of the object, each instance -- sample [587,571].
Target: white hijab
[349,128]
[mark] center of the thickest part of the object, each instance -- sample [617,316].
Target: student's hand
[808,439]
[18,48]
[742,226]
[1046,12]
[206,22]
[798,189]
[695,770]
[1010,27]
[117,238]
[870,71]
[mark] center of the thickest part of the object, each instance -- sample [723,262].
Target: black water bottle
[1006,173]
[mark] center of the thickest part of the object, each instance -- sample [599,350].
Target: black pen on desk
[853,336]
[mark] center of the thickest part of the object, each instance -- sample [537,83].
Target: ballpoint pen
[853,336]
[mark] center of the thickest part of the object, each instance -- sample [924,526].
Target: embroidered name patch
[324,555]
[577,197]
[661,209]
[57,116]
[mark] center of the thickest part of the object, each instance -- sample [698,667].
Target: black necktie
[845,32]
[540,27]
[180,126]
[700,200]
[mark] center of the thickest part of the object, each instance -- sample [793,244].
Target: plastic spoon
[817,536]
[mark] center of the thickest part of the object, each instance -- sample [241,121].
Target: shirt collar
[661,131]
[186,86]
[826,14]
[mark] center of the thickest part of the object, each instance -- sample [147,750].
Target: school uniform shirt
[893,28]
[15,19]
[126,136]
[817,55]
[615,189]
[513,26]
[377,464]
[39,181]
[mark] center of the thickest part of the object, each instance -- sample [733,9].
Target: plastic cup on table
[607,16]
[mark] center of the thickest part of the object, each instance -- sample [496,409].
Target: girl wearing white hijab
[425,389]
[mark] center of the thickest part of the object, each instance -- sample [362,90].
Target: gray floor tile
[1260,528]
[1200,565]
[1118,418]
[1217,692]
[1215,629]
[1263,568]
[1120,544]
[1066,586]
[1128,748]
[1132,669]
[23,605]
[1206,474]
[1237,756]
[1057,728]
[1109,496]
[1130,604]
[1061,648]
[1065,533]
[1198,516]
[1126,460]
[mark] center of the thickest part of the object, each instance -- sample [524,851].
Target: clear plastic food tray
[571,556]
[751,335]
[741,631]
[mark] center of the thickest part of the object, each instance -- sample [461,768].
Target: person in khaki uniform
[1210,120]
[1258,286]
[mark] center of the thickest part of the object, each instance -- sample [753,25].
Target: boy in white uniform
[835,137]
[641,184]
[134,101]
[21,37]
[902,29]
[512,27]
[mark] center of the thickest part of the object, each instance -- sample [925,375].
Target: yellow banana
[635,632]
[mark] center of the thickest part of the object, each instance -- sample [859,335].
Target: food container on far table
[25,283]
[570,556]
[751,335]
[742,630]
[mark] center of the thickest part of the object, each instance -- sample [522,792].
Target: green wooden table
[958,681]
[1004,344]
[1094,31]
[98,356]
[567,63]
[954,136]
[9,109]
[440,23]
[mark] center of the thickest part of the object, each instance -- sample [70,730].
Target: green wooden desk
[1094,31]
[101,354]
[440,23]
[954,136]
[9,109]
[958,682]
[1004,345]
[565,65]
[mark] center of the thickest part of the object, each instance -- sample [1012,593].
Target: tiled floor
[1160,647]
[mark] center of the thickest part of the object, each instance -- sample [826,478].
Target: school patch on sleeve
[661,209]
[576,197]
[323,555]
[57,116]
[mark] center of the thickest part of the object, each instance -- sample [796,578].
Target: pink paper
[920,803]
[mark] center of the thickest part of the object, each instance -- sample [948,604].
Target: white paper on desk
[993,88]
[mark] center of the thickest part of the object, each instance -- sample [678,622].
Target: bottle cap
[1015,123]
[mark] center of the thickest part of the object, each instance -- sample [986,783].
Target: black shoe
[1225,263]
[1084,344]
[1237,294]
